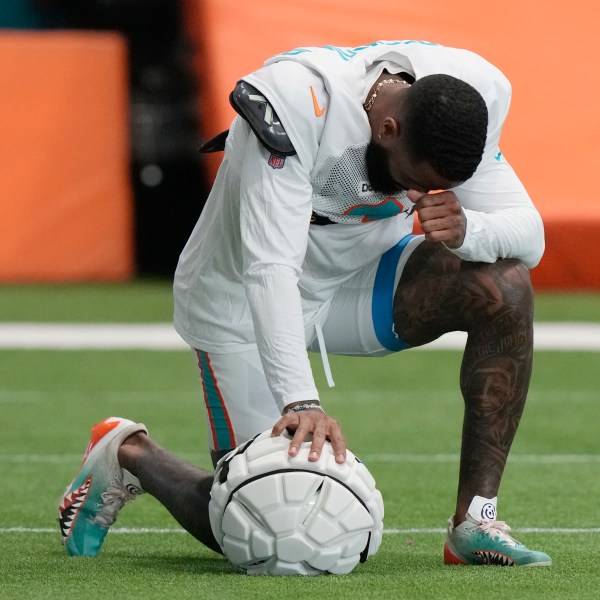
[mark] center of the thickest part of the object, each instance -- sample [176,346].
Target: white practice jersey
[256,273]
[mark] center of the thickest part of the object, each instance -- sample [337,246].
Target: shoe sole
[451,559]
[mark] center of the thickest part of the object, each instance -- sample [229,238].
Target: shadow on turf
[216,565]
[387,562]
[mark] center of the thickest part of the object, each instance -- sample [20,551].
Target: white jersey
[255,273]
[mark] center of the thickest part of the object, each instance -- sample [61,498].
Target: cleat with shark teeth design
[100,489]
[485,541]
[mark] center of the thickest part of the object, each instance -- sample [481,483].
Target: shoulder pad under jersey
[249,103]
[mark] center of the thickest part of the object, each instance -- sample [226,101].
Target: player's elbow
[537,242]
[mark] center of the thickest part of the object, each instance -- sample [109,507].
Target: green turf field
[401,415]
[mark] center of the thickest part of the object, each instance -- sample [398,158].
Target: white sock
[483,509]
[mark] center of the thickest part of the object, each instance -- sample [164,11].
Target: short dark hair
[445,124]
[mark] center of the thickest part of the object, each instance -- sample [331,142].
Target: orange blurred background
[547,49]
[65,203]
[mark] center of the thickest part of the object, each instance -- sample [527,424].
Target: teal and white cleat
[487,542]
[100,489]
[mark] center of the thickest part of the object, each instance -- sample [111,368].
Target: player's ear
[389,129]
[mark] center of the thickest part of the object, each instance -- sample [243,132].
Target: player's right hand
[441,217]
[322,427]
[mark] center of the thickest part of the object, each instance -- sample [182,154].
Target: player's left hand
[322,427]
[441,217]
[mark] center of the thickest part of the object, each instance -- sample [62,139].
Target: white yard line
[162,336]
[537,459]
[527,459]
[90,336]
[410,530]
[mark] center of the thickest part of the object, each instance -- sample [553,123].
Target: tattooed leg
[439,293]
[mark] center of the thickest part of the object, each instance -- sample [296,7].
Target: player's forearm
[515,233]
[276,309]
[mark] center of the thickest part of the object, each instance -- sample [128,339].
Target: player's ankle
[457,520]
[130,451]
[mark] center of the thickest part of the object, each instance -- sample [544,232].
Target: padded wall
[65,200]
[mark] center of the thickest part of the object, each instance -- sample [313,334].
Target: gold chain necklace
[368,105]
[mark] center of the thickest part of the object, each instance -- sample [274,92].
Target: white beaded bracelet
[301,407]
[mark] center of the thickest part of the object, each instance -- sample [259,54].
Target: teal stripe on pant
[220,424]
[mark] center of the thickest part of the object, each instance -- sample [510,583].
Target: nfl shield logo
[276,162]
